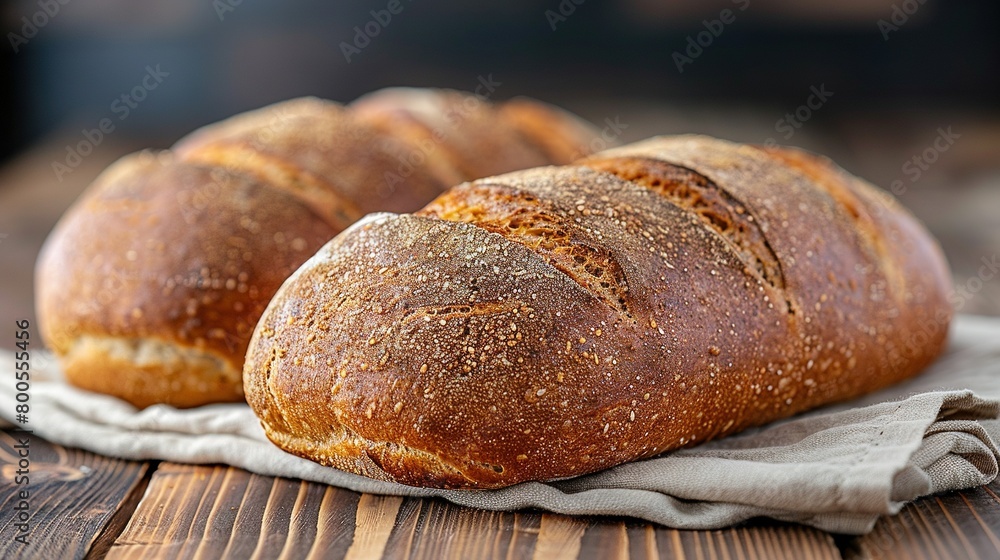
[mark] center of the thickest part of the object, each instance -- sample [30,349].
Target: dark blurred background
[226,56]
[886,79]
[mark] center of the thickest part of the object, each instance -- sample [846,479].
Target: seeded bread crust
[558,321]
[150,286]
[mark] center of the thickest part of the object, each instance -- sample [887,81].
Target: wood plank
[962,524]
[605,538]
[749,542]
[559,537]
[374,522]
[73,495]
[194,511]
[436,529]
[335,530]
[121,518]
[400,543]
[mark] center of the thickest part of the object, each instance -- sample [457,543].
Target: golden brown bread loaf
[151,284]
[557,321]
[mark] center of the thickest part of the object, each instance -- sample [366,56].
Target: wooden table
[88,506]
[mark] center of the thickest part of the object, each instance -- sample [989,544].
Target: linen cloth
[838,468]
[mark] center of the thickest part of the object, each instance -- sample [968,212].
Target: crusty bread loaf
[557,321]
[151,284]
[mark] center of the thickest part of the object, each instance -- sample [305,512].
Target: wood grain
[191,511]
[962,524]
[222,512]
[115,526]
[72,496]
[216,511]
[558,538]
[375,520]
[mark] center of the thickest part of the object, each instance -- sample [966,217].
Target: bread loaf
[558,321]
[150,286]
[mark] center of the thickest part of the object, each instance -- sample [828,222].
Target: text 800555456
[22,383]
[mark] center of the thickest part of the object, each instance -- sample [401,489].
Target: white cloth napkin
[838,468]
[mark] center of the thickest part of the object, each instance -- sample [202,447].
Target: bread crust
[152,371]
[559,134]
[149,287]
[184,255]
[468,131]
[461,348]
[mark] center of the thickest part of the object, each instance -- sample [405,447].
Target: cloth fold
[838,468]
